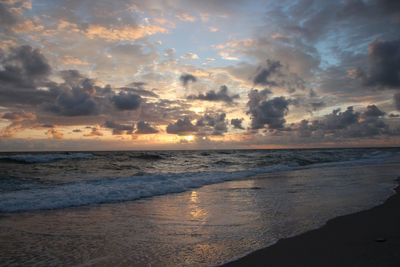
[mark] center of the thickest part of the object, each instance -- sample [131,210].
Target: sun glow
[188,138]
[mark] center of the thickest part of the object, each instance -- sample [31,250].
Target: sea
[177,208]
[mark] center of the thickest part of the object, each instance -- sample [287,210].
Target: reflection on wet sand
[196,212]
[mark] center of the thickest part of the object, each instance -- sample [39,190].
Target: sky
[190,74]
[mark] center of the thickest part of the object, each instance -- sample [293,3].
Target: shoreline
[365,238]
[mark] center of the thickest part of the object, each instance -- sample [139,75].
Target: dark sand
[366,238]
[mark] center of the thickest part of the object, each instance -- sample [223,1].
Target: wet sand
[366,238]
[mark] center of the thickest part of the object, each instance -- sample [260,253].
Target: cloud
[182,127]
[125,33]
[185,17]
[163,111]
[54,133]
[138,89]
[70,60]
[213,29]
[19,116]
[340,120]
[396,99]
[7,18]
[384,64]
[237,123]
[231,49]
[145,128]
[190,56]
[22,70]
[186,78]
[19,121]
[347,124]
[23,66]
[373,111]
[118,128]
[75,97]
[95,131]
[212,123]
[317,105]
[264,74]
[267,112]
[221,95]
[127,101]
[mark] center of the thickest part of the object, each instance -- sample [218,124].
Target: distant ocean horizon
[194,149]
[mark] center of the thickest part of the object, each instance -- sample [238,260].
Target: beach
[366,238]
[206,225]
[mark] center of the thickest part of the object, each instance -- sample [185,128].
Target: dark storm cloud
[182,127]
[215,124]
[75,97]
[384,64]
[340,120]
[145,128]
[72,77]
[347,124]
[23,66]
[390,6]
[24,74]
[186,78]
[118,128]
[237,124]
[373,111]
[267,112]
[396,99]
[75,102]
[221,95]
[22,69]
[127,101]
[264,74]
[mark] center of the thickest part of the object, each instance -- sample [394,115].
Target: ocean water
[177,208]
[40,181]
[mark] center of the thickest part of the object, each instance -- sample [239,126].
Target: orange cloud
[28,26]
[186,17]
[69,60]
[123,33]
[54,133]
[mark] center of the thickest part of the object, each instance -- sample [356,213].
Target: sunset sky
[126,74]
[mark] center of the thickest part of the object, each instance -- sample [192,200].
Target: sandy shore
[366,238]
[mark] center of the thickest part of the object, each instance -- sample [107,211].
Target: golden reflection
[196,212]
[194,197]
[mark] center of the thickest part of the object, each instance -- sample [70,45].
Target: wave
[147,156]
[118,189]
[43,158]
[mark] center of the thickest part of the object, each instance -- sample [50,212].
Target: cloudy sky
[186,74]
